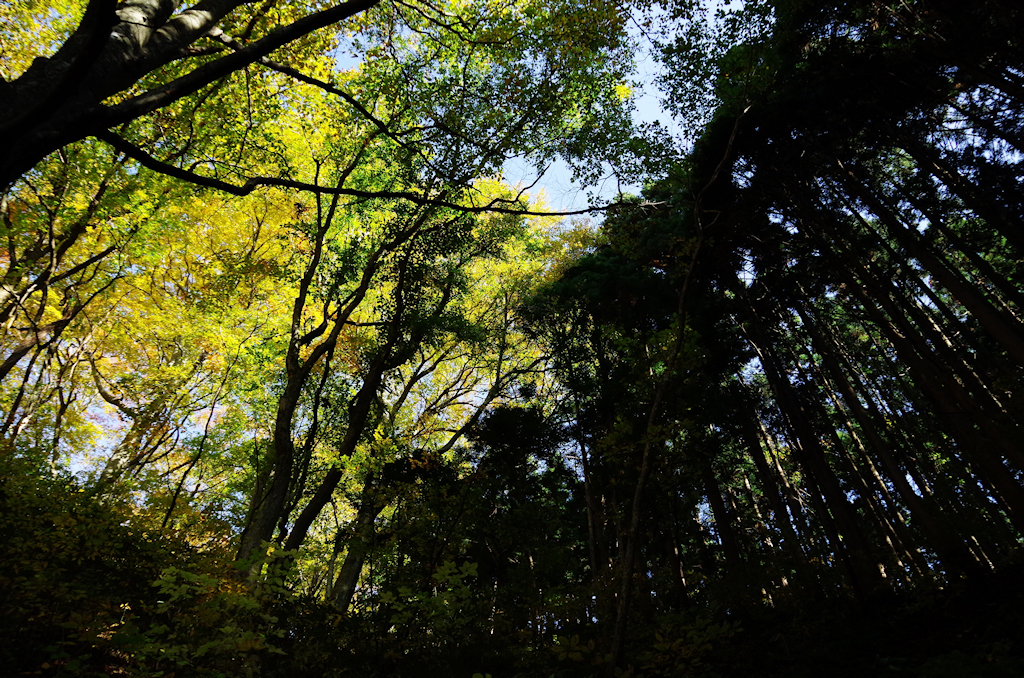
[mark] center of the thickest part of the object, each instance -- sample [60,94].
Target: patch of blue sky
[560,190]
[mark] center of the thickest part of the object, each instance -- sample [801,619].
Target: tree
[816,214]
[439,101]
[160,68]
[147,53]
[448,95]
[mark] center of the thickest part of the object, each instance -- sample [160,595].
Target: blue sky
[560,192]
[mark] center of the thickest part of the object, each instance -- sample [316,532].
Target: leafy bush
[88,589]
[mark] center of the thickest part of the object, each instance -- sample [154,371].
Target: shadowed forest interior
[295,381]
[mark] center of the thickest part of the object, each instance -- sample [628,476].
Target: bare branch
[495,206]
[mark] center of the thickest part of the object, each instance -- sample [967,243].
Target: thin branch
[494,206]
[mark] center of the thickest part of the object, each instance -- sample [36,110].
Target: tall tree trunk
[997,217]
[1006,330]
[950,549]
[958,412]
[723,521]
[853,547]
[359,544]
[782,520]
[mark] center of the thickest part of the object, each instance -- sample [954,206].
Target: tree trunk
[950,549]
[359,545]
[864,573]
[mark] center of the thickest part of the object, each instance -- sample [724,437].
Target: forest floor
[961,631]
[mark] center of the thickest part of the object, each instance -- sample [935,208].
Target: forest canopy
[296,380]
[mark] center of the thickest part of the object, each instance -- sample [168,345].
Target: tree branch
[92,33]
[495,206]
[208,73]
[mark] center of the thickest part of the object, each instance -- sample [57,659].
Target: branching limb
[494,206]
